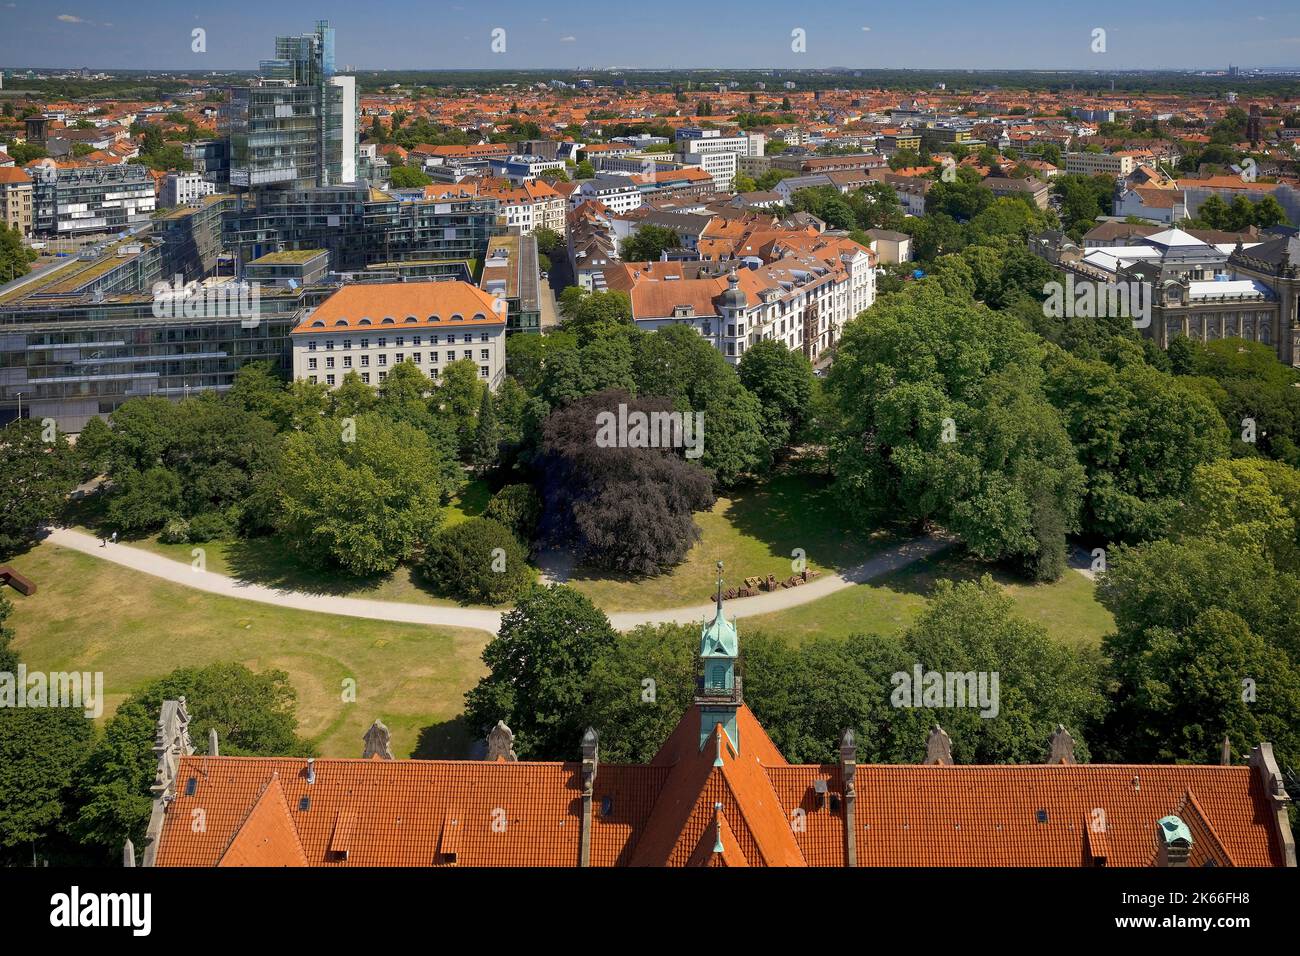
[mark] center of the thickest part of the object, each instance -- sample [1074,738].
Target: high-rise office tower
[295,126]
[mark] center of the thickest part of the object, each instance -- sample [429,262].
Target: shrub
[176,531]
[208,526]
[519,508]
[464,561]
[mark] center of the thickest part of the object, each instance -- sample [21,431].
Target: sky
[564,34]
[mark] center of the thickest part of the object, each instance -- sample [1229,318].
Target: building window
[329,345]
[383,342]
[401,340]
[365,361]
[483,354]
[415,340]
[482,336]
[347,343]
[365,343]
[311,363]
[311,346]
[365,378]
[482,371]
[418,358]
[468,353]
[383,360]
[382,376]
[329,379]
[347,361]
[401,357]
[329,362]
[312,379]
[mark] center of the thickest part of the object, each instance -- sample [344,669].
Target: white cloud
[568,39]
[866,29]
[69,18]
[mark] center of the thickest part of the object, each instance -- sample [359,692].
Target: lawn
[754,533]
[92,615]
[1066,607]
[267,561]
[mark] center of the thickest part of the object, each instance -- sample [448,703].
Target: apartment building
[16,199]
[72,199]
[716,154]
[592,244]
[796,288]
[1093,164]
[523,168]
[527,206]
[371,327]
[180,188]
[618,194]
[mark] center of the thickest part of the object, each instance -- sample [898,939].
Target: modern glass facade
[296,127]
[361,228]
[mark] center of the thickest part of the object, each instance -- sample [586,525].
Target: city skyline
[761,35]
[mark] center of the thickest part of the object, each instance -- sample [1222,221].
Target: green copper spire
[719,691]
[718,637]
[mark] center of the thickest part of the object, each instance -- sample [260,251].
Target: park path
[484,619]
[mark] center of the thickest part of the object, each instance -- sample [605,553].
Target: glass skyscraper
[296,125]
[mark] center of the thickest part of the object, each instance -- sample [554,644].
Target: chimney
[1225,755]
[938,748]
[1265,766]
[1173,842]
[128,853]
[590,762]
[311,770]
[1062,747]
[213,750]
[848,773]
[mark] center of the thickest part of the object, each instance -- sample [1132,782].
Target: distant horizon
[349,69]
[514,35]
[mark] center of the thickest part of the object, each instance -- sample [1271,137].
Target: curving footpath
[484,619]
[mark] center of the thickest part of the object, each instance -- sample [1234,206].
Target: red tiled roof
[262,811]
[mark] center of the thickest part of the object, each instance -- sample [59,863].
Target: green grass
[1067,608]
[754,534]
[92,615]
[269,562]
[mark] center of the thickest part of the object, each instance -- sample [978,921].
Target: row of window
[483,372]
[416,357]
[399,341]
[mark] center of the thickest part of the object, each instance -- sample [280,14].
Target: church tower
[718,693]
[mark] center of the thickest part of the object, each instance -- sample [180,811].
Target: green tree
[405,177]
[361,495]
[479,560]
[538,671]
[15,258]
[486,435]
[782,380]
[648,243]
[144,500]
[36,476]
[942,416]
